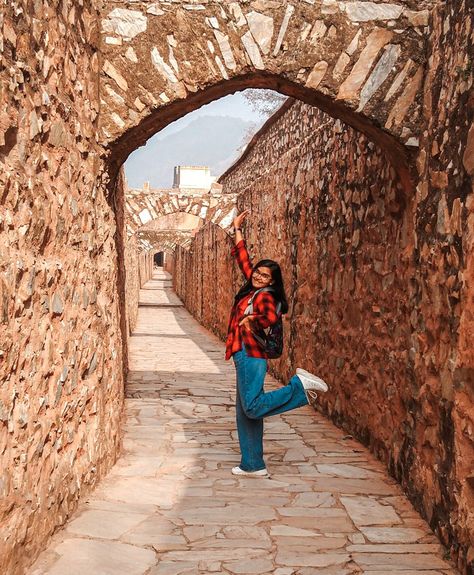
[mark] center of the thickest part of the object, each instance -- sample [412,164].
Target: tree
[265,102]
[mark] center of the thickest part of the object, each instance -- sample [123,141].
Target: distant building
[198,177]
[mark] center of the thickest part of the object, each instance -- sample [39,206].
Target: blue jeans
[253,404]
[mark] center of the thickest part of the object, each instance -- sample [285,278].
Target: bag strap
[249,308]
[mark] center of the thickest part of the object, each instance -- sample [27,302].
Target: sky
[233,105]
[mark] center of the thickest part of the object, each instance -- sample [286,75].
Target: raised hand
[240,218]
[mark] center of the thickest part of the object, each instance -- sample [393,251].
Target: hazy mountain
[214,141]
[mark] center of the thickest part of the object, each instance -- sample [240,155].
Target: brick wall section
[379,278]
[61,350]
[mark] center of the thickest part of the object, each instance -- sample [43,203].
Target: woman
[252,403]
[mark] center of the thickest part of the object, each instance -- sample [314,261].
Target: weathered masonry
[328,206]
[84,83]
[145,212]
[382,265]
[363,61]
[143,207]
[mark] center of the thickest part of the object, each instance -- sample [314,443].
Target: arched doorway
[158,259]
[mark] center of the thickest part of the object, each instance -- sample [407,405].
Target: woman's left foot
[259,473]
[312,384]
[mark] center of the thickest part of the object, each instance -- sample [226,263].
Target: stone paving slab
[171,507]
[158,292]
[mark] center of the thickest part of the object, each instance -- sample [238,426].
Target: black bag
[271,338]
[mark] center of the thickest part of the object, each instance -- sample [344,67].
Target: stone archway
[150,241]
[145,206]
[359,61]
[172,230]
[74,109]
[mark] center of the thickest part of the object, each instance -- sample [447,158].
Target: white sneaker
[311,383]
[259,473]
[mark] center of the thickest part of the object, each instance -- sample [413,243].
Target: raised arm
[239,251]
[241,255]
[238,221]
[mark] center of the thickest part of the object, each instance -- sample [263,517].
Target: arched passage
[360,62]
[177,228]
[62,335]
[158,258]
[176,220]
[145,206]
[375,89]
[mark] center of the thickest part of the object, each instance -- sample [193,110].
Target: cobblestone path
[170,505]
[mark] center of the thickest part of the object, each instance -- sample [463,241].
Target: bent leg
[286,398]
[255,402]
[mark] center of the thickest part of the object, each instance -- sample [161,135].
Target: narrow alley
[170,506]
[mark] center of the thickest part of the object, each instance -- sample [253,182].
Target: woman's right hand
[240,218]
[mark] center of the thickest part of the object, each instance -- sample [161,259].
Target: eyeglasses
[263,276]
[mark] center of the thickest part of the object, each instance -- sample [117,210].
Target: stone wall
[138,270]
[164,59]
[61,349]
[135,264]
[132,263]
[204,277]
[379,276]
[439,447]
[168,264]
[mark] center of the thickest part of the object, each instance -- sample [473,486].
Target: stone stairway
[171,507]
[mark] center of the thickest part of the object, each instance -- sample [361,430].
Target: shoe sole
[322,386]
[259,473]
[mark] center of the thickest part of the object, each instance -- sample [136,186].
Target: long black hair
[277,287]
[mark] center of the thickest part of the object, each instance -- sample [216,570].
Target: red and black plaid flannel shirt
[264,312]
